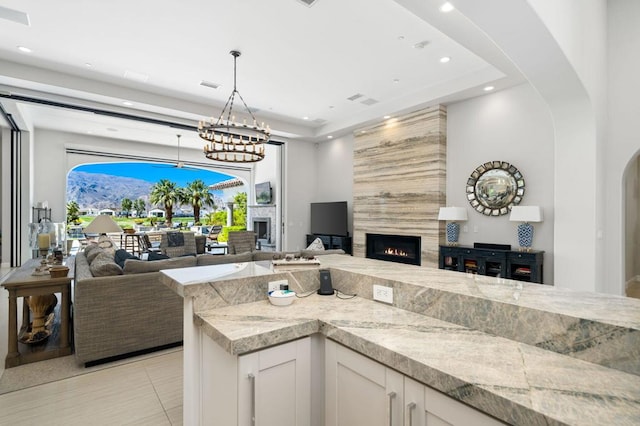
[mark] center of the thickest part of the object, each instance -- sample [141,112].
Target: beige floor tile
[175,416]
[120,395]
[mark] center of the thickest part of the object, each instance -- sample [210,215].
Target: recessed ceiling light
[305,118]
[446,7]
[488,88]
[127,103]
[24,49]
[386,117]
[445,59]
[329,137]
[396,80]
[88,65]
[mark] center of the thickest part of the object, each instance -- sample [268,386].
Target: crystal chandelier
[230,141]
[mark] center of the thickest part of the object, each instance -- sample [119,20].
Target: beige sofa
[131,312]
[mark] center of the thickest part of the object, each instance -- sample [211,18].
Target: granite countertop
[468,357]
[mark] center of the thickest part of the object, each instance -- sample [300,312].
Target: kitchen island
[519,353]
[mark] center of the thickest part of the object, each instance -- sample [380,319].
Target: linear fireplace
[394,248]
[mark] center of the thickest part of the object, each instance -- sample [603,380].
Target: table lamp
[525,214]
[102,225]
[452,215]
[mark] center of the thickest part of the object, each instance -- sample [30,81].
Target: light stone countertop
[470,356]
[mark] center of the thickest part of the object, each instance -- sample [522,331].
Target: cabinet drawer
[449,251]
[528,257]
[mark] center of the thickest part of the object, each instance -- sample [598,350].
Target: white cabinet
[360,391]
[271,387]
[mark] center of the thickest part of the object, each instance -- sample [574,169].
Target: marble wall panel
[400,180]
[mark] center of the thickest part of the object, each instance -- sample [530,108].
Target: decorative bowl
[281,297]
[59,271]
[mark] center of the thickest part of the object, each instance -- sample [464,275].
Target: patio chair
[242,242]
[214,232]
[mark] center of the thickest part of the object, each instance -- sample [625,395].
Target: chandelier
[230,141]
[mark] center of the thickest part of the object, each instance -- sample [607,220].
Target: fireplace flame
[396,252]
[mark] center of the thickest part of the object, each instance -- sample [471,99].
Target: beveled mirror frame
[508,198]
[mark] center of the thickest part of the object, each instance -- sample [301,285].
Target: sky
[153,172]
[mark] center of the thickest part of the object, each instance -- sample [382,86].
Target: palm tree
[166,193]
[139,206]
[73,211]
[126,205]
[197,194]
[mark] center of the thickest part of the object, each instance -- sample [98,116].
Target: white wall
[300,183]
[512,125]
[623,136]
[335,173]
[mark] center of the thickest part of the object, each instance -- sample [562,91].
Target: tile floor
[145,392]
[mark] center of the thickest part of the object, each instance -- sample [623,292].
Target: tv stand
[332,242]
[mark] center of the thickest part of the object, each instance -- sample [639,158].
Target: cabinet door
[442,410]
[274,386]
[360,391]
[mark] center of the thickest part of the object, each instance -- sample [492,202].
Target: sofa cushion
[215,259]
[121,255]
[316,245]
[310,253]
[132,266]
[104,265]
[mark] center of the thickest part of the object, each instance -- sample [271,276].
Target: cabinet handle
[252,379]
[410,407]
[391,396]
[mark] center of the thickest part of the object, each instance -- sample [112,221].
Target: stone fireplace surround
[399,180]
[262,212]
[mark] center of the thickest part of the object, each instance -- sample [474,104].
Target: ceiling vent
[319,121]
[17,16]
[356,96]
[209,84]
[308,2]
[369,101]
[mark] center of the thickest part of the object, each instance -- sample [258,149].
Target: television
[329,218]
[263,193]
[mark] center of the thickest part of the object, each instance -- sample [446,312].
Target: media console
[516,265]
[332,242]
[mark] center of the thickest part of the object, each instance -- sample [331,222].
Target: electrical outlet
[278,285]
[382,293]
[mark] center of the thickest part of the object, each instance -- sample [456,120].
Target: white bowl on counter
[281,297]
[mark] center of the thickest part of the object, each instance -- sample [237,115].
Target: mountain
[101,191]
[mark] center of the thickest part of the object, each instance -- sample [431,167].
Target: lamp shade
[526,214]
[102,224]
[452,213]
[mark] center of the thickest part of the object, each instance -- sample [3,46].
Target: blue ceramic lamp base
[525,236]
[453,232]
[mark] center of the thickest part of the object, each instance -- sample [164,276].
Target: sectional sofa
[122,311]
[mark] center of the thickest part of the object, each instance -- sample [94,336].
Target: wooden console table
[22,283]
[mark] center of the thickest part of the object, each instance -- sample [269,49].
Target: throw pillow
[106,244]
[104,266]
[156,256]
[121,255]
[316,245]
[92,251]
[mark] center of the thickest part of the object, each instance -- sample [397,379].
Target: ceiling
[299,67]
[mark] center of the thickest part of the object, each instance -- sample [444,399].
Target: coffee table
[21,283]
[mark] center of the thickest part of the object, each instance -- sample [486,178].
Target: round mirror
[494,187]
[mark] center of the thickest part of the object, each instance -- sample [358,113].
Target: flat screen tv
[263,193]
[329,218]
